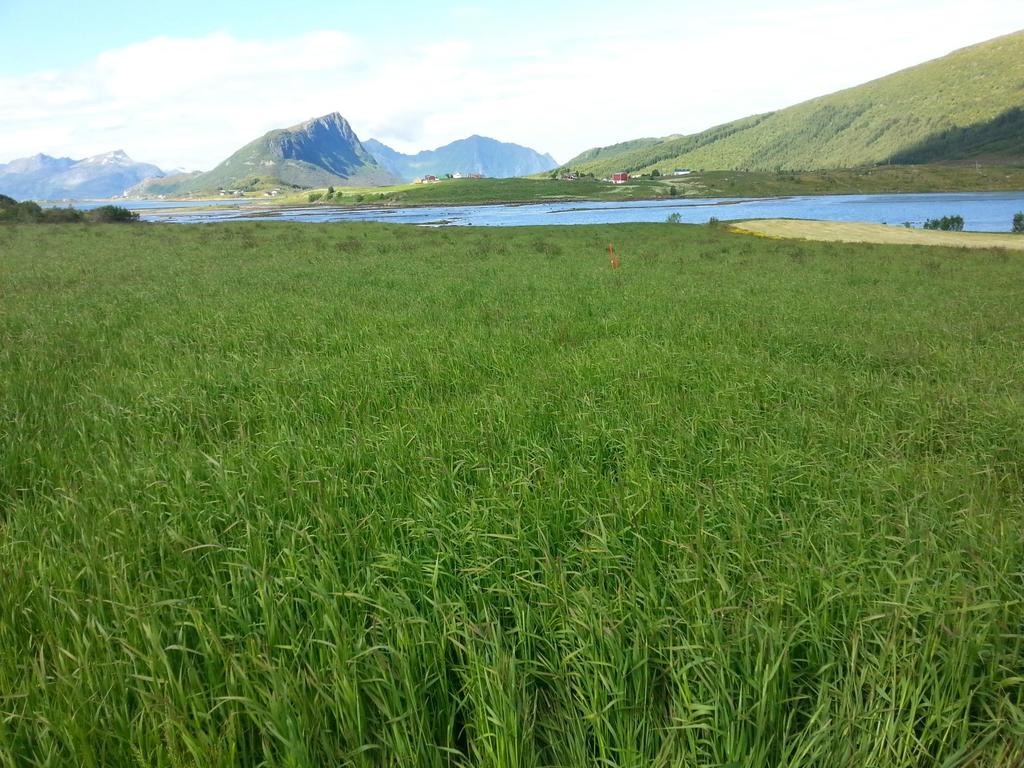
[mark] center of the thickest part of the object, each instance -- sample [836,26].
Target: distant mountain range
[965,107]
[477,154]
[321,152]
[42,177]
[326,151]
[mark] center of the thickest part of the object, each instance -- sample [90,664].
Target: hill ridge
[967,105]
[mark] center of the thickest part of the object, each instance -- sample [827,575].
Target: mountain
[477,154]
[965,107]
[321,152]
[42,177]
[387,157]
[37,165]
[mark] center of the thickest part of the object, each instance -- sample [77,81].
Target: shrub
[713,221]
[674,218]
[946,224]
[673,191]
[314,196]
[1018,224]
[21,212]
[28,212]
[112,214]
[61,215]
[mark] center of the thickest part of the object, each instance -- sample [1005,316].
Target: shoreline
[263,208]
[218,203]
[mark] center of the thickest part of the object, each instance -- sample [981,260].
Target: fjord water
[982,211]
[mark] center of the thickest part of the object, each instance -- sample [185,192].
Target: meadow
[320,495]
[484,191]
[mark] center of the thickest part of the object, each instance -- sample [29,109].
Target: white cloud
[191,102]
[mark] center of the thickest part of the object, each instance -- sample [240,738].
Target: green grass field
[303,495]
[484,191]
[883,179]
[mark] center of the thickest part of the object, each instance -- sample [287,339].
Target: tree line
[956,224]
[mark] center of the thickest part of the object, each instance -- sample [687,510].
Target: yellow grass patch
[836,231]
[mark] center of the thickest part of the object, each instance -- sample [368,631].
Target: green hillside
[622,148]
[968,106]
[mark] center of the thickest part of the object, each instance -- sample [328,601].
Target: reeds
[309,495]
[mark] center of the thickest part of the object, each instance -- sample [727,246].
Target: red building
[620,178]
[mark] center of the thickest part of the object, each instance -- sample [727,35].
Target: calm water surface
[982,211]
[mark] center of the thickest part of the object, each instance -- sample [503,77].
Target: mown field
[882,234]
[301,495]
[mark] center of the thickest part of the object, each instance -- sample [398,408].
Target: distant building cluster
[457,175]
[622,177]
[223,192]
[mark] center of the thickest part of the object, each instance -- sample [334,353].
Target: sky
[184,84]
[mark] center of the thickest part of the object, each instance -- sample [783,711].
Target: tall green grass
[297,495]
